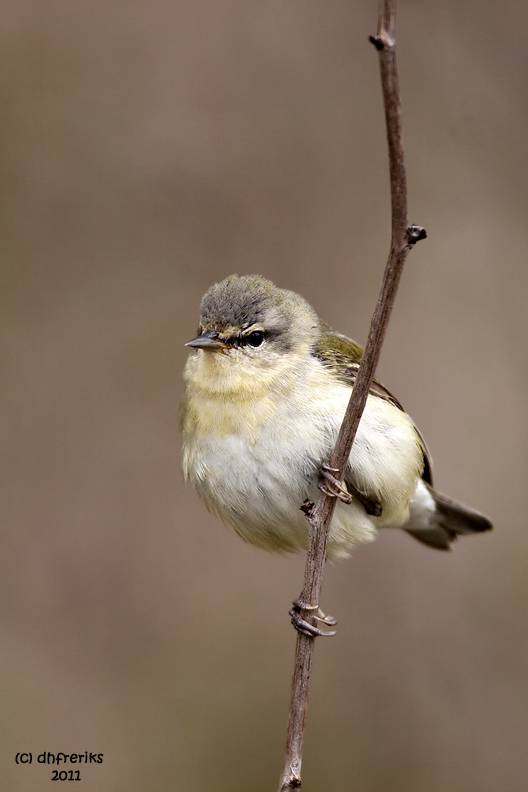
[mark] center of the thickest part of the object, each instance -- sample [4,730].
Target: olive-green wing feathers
[343,356]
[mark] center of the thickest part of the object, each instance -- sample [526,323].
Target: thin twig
[320,516]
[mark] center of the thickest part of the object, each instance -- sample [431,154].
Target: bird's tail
[445,521]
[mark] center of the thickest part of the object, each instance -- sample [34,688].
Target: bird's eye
[255,338]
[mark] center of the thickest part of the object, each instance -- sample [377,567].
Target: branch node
[292,783]
[378,42]
[307,507]
[382,41]
[414,233]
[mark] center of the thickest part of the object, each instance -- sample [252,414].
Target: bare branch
[320,514]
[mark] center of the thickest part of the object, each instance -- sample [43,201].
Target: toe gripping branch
[332,487]
[302,626]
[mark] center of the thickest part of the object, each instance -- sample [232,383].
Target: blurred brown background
[148,150]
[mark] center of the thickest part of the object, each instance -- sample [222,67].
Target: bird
[266,387]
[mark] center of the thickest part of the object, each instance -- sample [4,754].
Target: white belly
[255,474]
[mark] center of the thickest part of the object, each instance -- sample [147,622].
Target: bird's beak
[208,340]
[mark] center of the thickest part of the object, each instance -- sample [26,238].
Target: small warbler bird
[267,385]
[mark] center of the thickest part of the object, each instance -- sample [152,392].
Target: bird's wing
[343,356]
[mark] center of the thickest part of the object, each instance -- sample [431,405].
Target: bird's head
[248,318]
[252,337]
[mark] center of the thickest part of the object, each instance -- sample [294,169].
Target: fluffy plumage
[266,389]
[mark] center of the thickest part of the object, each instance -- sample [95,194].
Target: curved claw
[323,617]
[303,626]
[332,486]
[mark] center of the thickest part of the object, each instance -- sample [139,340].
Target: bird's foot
[332,486]
[302,626]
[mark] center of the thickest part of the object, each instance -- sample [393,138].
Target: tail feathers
[447,520]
